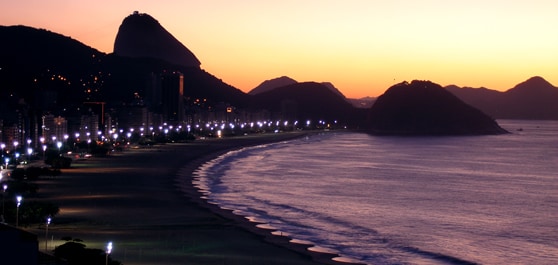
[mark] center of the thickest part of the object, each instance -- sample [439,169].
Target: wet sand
[144,202]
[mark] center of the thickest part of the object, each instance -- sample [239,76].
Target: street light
[19,198]
[109,249]
[44,151]
[59,144]
[46,233]
[3,145]
[4,188]
[29,153]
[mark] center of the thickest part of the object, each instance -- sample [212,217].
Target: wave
[309,227]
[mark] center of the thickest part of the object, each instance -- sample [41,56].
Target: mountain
[307,100]
[534,98]
[425,108]
[140,35]
[45,72]
[333,88]
[271,84]
[36,62]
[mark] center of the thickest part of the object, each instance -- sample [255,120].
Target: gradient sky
[361,46]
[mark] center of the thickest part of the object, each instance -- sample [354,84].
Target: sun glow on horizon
[362,47]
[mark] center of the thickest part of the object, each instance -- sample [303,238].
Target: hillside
[425,108]
[307,100]
[36,61]
[534,98]
[271,84]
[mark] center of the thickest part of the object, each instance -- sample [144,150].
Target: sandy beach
[144,202]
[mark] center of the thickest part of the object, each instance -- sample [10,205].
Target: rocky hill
[140,35]
[425,108]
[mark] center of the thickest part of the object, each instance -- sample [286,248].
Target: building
[167,96]
[54,128]
[89,127]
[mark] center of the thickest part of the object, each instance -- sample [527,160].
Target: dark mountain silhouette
[425,108]
[308,100]
[333,89]
[34,62]
[282,81]
[45,71]
[534,98]
[140,35]
[271,84]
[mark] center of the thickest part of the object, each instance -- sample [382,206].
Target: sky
[361,46]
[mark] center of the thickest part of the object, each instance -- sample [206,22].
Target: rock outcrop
[141,36]
[425,108]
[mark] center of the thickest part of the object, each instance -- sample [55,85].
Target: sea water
[403,200]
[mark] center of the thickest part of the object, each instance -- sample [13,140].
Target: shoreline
[184,182]
[140,200]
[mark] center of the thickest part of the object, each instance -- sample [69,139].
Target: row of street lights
[19,200]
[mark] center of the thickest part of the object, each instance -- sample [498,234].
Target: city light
[18,198]
[46,233]
[109,250]
[4,188]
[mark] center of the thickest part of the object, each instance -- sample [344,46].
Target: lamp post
[18,198]
[109,249]
[3,145]
[4,188]
[44,151]
[59,145]
[46,233]
[29,153]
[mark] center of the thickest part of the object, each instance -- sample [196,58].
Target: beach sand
[144,202]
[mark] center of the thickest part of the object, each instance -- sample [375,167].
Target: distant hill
[282,81]
[140,35]
[307,100]
[363,103]
[271,84]
[425,108]
[534,98]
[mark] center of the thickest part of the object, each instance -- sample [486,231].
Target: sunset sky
[361,46]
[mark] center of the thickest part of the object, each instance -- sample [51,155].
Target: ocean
[402,200]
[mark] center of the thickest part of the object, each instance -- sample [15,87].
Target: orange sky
[361,46]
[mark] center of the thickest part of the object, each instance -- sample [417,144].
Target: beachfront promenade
[137,200]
